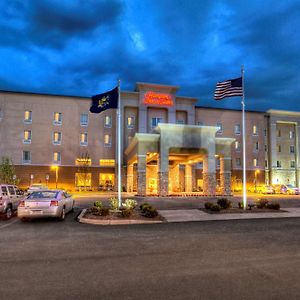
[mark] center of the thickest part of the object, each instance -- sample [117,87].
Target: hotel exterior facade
[169,144]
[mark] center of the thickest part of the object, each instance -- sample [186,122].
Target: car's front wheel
[8,213]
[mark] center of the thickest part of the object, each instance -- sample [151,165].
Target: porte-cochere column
[130,178]
[141,174]
[209,175]
[225,175]
[188,178]
[163,172]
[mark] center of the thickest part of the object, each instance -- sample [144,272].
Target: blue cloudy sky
[82,47]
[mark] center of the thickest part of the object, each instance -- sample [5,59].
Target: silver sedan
[46,203]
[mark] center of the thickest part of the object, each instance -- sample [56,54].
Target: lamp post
[55,167]
[255,174]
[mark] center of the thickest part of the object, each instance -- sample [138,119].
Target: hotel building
[169,144]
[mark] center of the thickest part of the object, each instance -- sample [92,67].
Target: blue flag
[102,102]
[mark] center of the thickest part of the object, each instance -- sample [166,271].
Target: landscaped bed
[128,213]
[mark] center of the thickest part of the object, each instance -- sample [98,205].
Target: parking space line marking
[6,225]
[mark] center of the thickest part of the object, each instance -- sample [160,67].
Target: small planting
[215,207]
[126,213]
[148,210]
[208,205]
[241,205]
[100,211]
[275,206]
[98,204]
[224,203]
[114,203]
[144,204]
[262,203]
[129,204]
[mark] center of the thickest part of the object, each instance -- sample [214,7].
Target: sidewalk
[189,215]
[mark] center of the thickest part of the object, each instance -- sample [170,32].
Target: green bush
[130,204]
[98,204]
[224,203]
[150,212]
[208,205]
[144,204]
[241,205]
[273,206]
[114,203]
[215,207]
[262,203]
[100,211]
[126,213]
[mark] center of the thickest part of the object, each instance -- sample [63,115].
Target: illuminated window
[83,180]
[83,139]
[237,145]
[27,137]
[130,122]
[237,129]
[84,119]
[254,130]
[156,121]
[293,164]
[107,140]
[292,134]
[220,128]
[107,162]
[238,162]
[107,121]
[83,161]
[278,164]
[57,118]
[56,157]
[254,162]
[106,181]
[26,157]
[292,149]
[28,116]
[57,138]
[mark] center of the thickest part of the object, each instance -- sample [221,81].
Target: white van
[10,197]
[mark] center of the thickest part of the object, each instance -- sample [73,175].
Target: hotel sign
[153,98]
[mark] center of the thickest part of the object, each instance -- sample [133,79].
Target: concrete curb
[83,220]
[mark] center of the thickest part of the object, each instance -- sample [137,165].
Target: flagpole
[244,143]
[119,145]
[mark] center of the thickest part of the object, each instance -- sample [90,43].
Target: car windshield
[43,195]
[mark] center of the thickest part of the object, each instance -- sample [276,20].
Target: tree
[7,171]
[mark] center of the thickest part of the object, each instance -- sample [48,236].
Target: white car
[44,204]
[36,187]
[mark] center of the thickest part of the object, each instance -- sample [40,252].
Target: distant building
[170,145]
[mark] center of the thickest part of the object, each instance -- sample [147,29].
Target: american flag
[229,88]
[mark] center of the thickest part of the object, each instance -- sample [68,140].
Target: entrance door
[106,181]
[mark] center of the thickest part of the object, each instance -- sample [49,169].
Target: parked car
[45,203]
[36,187]
[268,189]
[10,195]
[289,189]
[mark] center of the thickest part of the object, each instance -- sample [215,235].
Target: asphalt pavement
[234,259]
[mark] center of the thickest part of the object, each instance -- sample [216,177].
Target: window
[83,161]
[107,140]
[199,123]
[107,162]
[56,157]
[156,121]
[265,132]
[218,163]
[83,139]
[292,149]
[278,164]
[256,146]
[130,122]
[107,121]
[255,162]
[26,157]
[57,118]
[278,148]
[179,121]
[238,162]
[237,146]
[278,133]
[266,148]
[266,163]
[220,128]
[292,134]
[293,164]
[84,119]
[1,114]
[28,117]
[237,129]
[254,130]
[57,138]
[27,137]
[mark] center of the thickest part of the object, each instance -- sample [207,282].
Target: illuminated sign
[158,99]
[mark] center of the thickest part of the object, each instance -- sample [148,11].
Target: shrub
[208,205]
[114,203]
[241,205]
[275,205]
[100,211]
[262,203]
[215,207]
[144,204]
[224,203]
[126,213]
[150,212]
[130,204]
[98,204]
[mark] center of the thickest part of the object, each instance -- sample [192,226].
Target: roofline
[232,109]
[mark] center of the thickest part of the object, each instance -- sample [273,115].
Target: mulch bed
[242,211]
[136,215]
